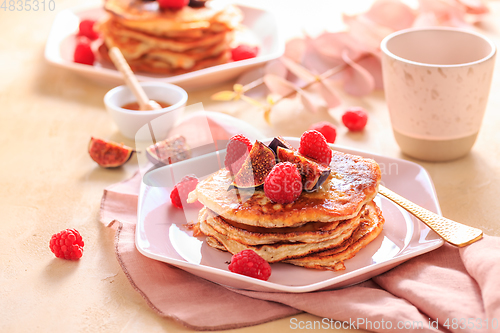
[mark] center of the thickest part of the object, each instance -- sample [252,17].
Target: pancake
[170,41]
[159,66]
[371,226]
[277,251]
[134,44]
[188,22]
[312,232]
[352,183]
[188,59]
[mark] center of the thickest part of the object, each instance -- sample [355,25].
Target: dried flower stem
[253,84]
[319,78]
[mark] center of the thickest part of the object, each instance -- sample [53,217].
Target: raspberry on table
[283,184]
[83,52]
[244,51]
[313,145]
[355,118]
[327,129]
[249,263]
[181,190]
[237,151]
[173,4]
[86,28]
[67,244]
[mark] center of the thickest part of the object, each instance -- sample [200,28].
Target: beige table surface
[48,182]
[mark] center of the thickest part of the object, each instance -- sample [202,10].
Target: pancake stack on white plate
[169,41]
[321,229]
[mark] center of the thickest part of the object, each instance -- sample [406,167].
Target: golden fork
[453,232]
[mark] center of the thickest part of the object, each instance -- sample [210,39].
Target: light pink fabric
[458,287]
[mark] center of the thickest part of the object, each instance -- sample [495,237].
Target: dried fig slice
[109,154]
[256,167]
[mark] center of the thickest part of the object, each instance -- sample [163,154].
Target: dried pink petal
[276,67]
[447,12]
[393,14]
[476,7]
[365,31]
[358,81]
[428,19]
[318,63]
[279,85]
[327,90]
[373,65]
[294,49]
[300,71]
[333,44]
[308,101]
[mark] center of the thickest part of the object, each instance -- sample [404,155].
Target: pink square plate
[161,233]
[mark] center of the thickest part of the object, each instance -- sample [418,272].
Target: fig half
[109,154]
[313,174]
[256,167]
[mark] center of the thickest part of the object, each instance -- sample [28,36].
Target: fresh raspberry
[355,118]
[327,129]
[67,244]
[249,263]
[284,183]
[244,51]
[83,52]
[313,144]
[237,151]
[86,28]
[172,4]
[181,190]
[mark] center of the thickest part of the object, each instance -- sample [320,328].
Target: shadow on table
[60,269]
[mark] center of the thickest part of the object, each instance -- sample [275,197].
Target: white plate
[61,44]
[161,233]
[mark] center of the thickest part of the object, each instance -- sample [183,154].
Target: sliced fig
[109,154]
[256,167]
[169,151]
[280,142]
[313,174]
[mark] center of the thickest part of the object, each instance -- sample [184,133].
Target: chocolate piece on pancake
[281,250]
[353,182]
[371,226]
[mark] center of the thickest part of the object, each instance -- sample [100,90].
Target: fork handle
[453,232]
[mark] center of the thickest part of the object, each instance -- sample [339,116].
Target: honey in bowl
[135,106]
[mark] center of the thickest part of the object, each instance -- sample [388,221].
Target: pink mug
[437,81]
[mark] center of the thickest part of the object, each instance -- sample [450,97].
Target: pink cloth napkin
[448,289]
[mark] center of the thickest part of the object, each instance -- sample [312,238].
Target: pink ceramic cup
[437,82]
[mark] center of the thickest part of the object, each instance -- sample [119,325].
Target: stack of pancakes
[319,230]
[168,41]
